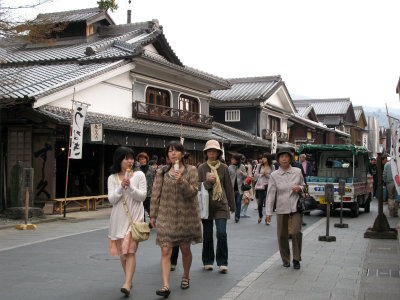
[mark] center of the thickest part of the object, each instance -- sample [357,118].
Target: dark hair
[268,156]
[152,162]
[119,155]
[178,147]
[238,158]
[291,150]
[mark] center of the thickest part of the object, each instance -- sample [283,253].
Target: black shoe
[303,224]
[165,291]
[286,264]
[125,291]
[237,220]
[296,264]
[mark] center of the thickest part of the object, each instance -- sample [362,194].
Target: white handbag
[203,198]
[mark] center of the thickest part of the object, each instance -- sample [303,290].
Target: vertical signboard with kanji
[96,132]
[78,120]
[274,142]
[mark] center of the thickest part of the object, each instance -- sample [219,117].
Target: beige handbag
[140,231]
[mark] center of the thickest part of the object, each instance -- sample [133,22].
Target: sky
[321,49]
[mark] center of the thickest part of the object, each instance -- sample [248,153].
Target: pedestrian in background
[306,165]
[393,205]
[286,182]
[131,187]
[175,208]
[373,170]
[238,174]
[214,175]
[150,173]
[153,164]
[261,176]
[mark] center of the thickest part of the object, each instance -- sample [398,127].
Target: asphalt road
[70,260]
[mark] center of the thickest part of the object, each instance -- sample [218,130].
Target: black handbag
[246,187]
[306,204]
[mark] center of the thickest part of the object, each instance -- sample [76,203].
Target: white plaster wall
[113,97]
[275,101]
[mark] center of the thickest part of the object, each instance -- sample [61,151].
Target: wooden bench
[83,203]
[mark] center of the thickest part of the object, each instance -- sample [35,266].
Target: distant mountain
[380,114]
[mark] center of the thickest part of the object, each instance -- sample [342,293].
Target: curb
[243,284]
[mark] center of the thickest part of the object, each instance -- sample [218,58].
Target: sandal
[165,291]
[185,283]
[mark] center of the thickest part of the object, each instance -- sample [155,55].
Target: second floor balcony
[281,136]
[162,113]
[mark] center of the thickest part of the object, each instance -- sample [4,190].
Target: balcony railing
[167,114]
[281,136]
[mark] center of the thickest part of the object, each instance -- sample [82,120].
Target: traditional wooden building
[359,134]
[257,105]
[135,84]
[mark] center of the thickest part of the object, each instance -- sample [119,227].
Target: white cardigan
[134,196]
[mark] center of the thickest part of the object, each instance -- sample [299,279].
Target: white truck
[334,162]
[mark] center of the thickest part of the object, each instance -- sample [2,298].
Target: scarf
[144,168]
[217,188]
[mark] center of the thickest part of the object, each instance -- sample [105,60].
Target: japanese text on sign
[78,120]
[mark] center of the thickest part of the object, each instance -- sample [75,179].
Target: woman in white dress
[130,185]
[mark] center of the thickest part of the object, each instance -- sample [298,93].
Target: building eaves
[41,80]
[308,122]
[327,106]
[236,136]
[80,15]
[141,126]
[251,89]
[150,56]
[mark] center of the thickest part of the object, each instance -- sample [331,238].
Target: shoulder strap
[123,201]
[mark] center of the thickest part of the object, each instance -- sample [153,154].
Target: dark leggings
[260,195]
[174,255]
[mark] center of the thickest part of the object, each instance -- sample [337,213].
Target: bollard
[329,199]
[341,192]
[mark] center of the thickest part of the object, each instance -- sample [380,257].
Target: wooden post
[26,205]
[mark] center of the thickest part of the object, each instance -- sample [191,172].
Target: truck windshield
[339,162]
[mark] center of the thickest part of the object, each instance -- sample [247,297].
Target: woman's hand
[269,217]
[178,176]
[153,223]
[296,189]
[125,183]
[212,179]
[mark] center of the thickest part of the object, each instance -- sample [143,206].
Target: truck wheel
[355,210]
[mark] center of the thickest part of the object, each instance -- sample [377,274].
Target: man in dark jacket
[305,164]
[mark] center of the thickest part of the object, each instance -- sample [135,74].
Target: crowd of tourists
[168,194]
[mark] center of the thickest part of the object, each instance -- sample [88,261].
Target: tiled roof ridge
[78,79]
[357,107]
[322,100]
[145,25]
[51,109]
[71,12]
[255,79]
[237,131]
[186,69]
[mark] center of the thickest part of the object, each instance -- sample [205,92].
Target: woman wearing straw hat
[214,175]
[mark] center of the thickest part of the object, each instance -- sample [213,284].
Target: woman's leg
[261,199]
[283,239]
[208,242]
[186,260]
[297,235]
[165,264]
[174,255]
[222,242]
[130,266]
[238,200]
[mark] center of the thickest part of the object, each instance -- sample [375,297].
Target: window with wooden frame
[155,97]
[274,123]
[232,115]
[188,104]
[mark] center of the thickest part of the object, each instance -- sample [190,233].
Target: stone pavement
[353,267]
[103,212]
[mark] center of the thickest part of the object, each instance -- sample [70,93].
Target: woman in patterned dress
[174,206]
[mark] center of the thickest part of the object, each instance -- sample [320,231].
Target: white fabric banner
[395,153]
[78,120]
[274,142]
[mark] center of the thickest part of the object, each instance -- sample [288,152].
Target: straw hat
[212,144]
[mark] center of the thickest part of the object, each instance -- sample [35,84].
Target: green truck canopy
[356,150]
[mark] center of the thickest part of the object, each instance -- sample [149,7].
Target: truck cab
[335,162]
